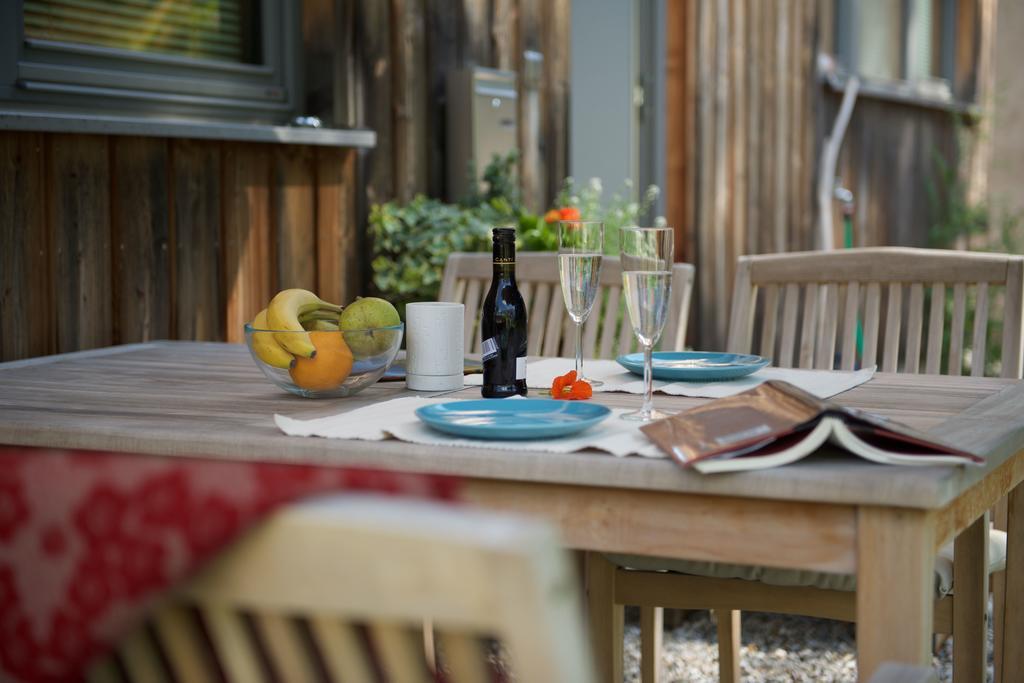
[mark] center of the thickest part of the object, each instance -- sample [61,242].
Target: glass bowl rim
[249,328]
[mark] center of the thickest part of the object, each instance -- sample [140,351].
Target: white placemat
[821,383]
[397,419]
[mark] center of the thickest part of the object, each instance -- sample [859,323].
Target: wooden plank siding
[746,116]
[113,239]
[403,51]
[742,129]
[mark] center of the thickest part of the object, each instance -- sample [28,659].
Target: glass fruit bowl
[345,362]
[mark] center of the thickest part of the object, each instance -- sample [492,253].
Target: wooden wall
[741,130]
[110,240]
[746,116]
[384,66]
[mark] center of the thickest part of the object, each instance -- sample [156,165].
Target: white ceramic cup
[434,346]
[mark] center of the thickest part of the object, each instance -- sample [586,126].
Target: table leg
[651,626]
[1013,618]
[606,618]
[970,602]
[998,581]
[895,587]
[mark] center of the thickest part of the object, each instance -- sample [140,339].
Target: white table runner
[396,419]
[821,383]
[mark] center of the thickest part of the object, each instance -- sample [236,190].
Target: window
[221,59]
[899,40]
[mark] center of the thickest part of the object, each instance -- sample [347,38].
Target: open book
[776,423]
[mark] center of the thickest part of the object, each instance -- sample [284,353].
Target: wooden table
[835,514]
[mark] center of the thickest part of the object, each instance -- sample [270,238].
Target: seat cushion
[795,577]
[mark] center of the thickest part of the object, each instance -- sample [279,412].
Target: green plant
[618,211]
[411,243]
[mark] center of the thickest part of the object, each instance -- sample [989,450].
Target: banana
[283,314]
[320,325]
[266,346]
[319,314]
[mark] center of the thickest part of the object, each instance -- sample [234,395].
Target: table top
[209,399]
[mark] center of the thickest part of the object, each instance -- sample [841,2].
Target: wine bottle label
[521,367]
[504,260]
[489,349]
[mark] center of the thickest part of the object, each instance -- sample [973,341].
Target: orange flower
[552,216]
[569,213]
[567,387]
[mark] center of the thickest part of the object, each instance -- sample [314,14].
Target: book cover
[776,423]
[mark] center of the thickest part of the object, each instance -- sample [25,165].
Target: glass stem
[579,351]
[648,406]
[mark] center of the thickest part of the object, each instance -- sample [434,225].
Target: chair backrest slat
[846,293]
[176,627]
[235,649]
[809,325]
[464,657]
[980,335]
[553,323]
[286,650]
[342,652]
[741,314]
[471,316]
[140,658]
[828,322]
[872,312]
[401,652]
[769,320]
[1013,320]
[626,337]
[848,359]
[789,313]
[609,322]
[541,301]
[936,323]
[954,364]
[590,329]
[893,323]
[551,330]
[915,320]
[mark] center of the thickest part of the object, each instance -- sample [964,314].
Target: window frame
[847,43]
[55,76]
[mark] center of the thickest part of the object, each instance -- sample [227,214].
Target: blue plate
[519,419]
[695,366]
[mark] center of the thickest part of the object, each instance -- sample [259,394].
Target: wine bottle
[503,324]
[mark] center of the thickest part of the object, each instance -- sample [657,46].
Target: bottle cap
[501,234]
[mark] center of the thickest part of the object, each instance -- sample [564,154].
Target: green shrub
[411,243]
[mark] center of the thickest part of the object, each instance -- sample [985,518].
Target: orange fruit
[328,368]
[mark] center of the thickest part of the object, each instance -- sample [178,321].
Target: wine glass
[647,284]
[580,244]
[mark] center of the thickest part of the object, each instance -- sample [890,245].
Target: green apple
[366,315]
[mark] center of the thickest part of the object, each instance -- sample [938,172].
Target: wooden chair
[467,277]
[828,300]
[339,588]
[822,297]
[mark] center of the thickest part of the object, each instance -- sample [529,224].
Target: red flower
[569,388]
[552,216]
[569,213]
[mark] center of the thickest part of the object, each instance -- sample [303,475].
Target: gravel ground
[775,648]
